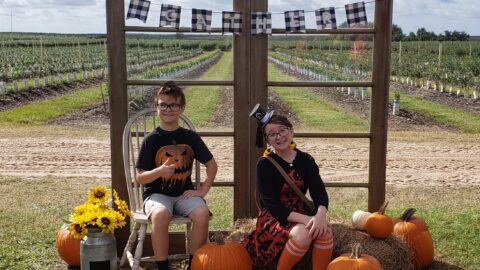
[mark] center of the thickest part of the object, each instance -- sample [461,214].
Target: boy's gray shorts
[177,206]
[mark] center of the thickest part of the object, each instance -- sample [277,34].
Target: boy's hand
[194,193]
[167,169]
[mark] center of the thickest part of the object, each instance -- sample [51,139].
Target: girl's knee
[328,235]
[299,234]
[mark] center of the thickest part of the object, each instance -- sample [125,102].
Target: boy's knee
[200,214]
[161,216]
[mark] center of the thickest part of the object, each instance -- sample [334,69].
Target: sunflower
[77,230]
[98,195]
[121,205]
[109,220]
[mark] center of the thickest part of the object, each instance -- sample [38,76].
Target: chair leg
[187,237]
[139,249]
[131,240]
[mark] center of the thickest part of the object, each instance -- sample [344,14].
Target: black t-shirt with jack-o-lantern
[182,146]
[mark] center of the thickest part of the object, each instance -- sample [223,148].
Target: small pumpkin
[359,218]
[355,260]
[378,224]
[220,255]
[415,232]
[68,247]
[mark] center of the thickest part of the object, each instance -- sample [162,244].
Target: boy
[164,166]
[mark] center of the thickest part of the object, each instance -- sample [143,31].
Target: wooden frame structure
[250,87]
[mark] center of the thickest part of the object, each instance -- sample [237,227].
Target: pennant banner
[201,20]
[231,22]
[138,9]
[326,18]
[261,23]
[295,21]
[170,16]
[356,14]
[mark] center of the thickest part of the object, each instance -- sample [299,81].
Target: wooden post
[250,88]
[117,66]
[379,110]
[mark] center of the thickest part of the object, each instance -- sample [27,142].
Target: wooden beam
[118,100]
[179,82]
[319,84]
[379,106]
[341,31]
[241,124]
[258,93]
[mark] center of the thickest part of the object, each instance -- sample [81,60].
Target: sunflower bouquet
[98,212]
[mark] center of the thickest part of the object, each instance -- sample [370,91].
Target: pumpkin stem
[218,238]
[383,207]
[356,251]
[408,214]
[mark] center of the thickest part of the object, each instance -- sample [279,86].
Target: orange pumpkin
[220,255]
[378,224]
[355,260]
[415,232]
[68,247]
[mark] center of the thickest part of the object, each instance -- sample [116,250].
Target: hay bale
[392,252]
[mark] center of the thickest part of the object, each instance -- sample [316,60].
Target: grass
[38,112]
[315,112]
[27,241]
[203,101]
[464,121]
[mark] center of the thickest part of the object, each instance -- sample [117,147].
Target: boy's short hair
[170,88]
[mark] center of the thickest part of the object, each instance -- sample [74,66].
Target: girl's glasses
[281,132]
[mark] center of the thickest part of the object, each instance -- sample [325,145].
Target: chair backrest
[135,130]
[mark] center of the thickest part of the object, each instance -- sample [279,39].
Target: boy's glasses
[281,132]
[174,107]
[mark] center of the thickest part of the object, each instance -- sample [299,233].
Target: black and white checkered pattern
[261,23]
[138,9]
[356,14]
[326,18]
[295,21]
[201,20]
[170,16]
[231,22]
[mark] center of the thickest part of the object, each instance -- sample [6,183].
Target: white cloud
[88,16]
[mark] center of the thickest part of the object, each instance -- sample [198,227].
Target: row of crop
[24,63]
[59,78]
[464,84]
[318,71]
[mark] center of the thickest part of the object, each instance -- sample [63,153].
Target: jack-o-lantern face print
[182,156]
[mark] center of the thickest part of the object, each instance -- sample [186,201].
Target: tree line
[423,35]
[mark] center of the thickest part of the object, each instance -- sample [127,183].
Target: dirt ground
[408,164]
[410,161]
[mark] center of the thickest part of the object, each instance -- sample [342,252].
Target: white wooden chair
[135,130]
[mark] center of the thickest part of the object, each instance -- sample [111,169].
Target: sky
[88,16]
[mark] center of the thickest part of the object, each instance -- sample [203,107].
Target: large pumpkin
[354,261]
[221,255]
[415,232]
[68,247]
[378,224]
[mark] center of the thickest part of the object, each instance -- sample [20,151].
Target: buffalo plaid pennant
[261,23]
[138,9]
[231,22]
[295,21]
[356,14]
[201,20]
[326,18]
[170,15]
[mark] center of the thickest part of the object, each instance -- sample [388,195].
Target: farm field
[433,160]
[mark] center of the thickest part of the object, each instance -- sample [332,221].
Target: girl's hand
[317,226]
